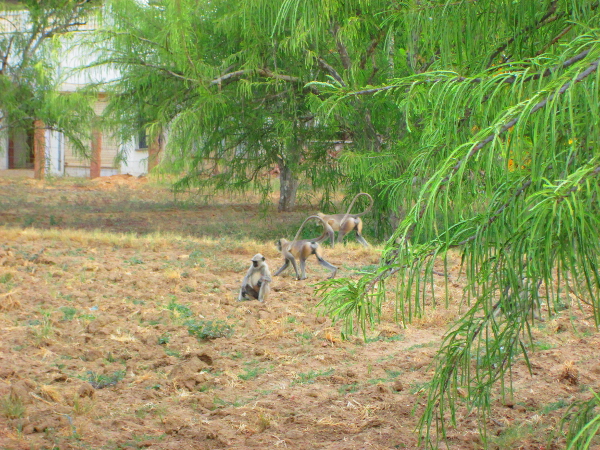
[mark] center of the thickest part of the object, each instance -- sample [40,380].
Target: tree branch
[508,80]
[551,10]
[330,70]
[342,51]
[389,272]
[370,50]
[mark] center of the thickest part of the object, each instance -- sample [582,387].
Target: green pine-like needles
[508,173]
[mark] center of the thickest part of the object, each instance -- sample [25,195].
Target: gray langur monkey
[345,223]
[257,282]
[302,249]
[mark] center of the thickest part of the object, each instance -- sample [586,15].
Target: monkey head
[257,260]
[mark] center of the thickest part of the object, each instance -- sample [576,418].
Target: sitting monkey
[257,282]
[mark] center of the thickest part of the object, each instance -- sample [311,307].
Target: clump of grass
[263,422]
[100,381]
[311,376]
[68,313]
[82,406]
[178,311]
[250,373]
[12,407]
[43,332]
[51,393]
[8,302]
[5,278]
[208,329]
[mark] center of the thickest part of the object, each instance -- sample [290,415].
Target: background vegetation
[474,125]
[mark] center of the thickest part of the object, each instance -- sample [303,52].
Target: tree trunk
[39,150]
[287,188]
[96,161]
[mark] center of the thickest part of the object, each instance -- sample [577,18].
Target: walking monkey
[302,249]
[257,282]
[345,223]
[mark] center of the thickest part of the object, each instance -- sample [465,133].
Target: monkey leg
[346,227]
[282,268]
[302,269]
[251,292]
[361,239]
[331,236]
[327,265]
[359,236]
[265,288]
[293,261]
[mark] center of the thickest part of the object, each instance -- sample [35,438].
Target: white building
[18,150]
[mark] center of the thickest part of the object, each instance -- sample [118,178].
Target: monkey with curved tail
[345,223]
[301,250]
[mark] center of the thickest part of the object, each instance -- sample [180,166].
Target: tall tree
[232,88]
[29,75]
[503,102]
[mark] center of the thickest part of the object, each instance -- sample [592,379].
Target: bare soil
[120,329]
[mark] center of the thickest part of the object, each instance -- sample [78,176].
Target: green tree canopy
[231,85]
[30,35]
[503,107]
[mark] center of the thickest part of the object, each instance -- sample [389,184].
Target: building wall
[136,162]
[110,147]
[20,145]
[61,157]
[3,151]
[55,153]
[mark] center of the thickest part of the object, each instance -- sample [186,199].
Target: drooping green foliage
[583,422]
[473,124]
[31,38]
[502,106]
[229,83]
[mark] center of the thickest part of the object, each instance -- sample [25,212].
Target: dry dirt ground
[120,329]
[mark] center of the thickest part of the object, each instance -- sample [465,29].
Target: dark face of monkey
[257,260]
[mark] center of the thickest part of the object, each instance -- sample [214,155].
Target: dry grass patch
[9,301]
[52,394]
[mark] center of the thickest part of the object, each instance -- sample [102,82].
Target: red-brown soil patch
[96,350]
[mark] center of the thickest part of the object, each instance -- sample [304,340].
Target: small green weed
[82,406]
[28,221]
[12,408]
[171,352]
[54,221]
[208,329]
[6,277]
[311,376]
[134,260]
[305,336]
[251,373]
[164,339]
[348,388]
[547,409]
[177,310]
[540,346]
[151,408]
[68,313]
[100,381]
[43,332]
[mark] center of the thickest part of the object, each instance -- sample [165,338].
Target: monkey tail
[317,240]
[352,204]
